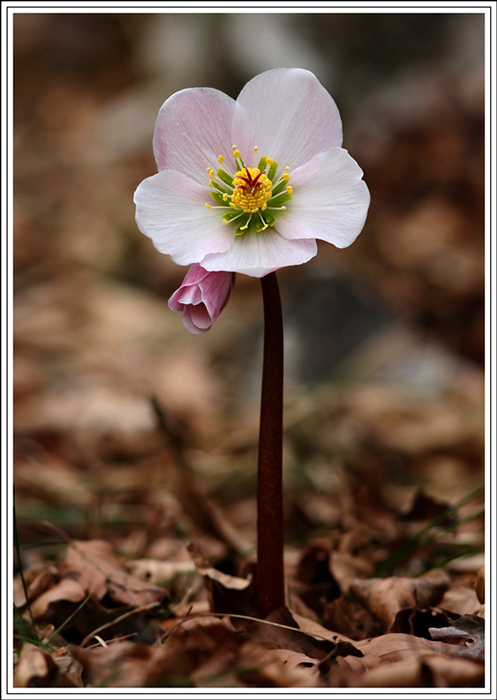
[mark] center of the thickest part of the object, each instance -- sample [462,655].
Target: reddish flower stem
[270,576]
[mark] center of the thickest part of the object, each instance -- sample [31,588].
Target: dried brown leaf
[468,633]
[197,649]
[349,618]
[295,633]
[99,571]
[426,671]
[227,594]
[417,621]
[160,572]
[390,648]
[453,673]
[35,667]
[318,631]
[314,570]
[37,579]
[277,668]
[38,668]
[65,590]
[460,600]
[422,508]
[346,568]
[385,597]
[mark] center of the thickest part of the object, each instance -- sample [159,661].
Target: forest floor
[135,443]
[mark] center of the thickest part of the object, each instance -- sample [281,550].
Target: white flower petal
[330,200]
[192,129]
[257,254]
[288,114]
[170,209]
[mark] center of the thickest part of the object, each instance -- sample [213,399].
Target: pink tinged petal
[288,114]
[330,200]
[195,274]
[189,295]
[201,297]
[201,317]
[216,290]
[257,254]
[193,128]
[191,324]
[170,209]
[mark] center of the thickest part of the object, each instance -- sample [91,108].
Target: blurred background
[384,340]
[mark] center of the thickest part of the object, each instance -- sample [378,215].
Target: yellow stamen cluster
[252,197]
[242,197]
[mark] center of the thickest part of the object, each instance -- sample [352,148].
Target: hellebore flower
[201,297]
[249,185]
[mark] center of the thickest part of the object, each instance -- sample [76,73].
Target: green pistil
[217,186]
[278,187]
[218,197]
[232,215]
[245,225]
[227,179]
[263,164]
[278,201]
[272,170]
[260,224]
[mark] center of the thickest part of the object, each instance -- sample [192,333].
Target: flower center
[253,197]
[252,190]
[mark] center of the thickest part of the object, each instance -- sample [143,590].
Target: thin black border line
[296,694]
[9,341]
[162,691]
[491,286]
[262,7]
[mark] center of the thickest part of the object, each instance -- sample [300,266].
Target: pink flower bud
[201,297]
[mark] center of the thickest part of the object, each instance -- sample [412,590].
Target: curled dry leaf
[292,659]
[460,600]
[426,671]
[314,628]
[211,647]
[38,668]
[115,665]
[348,617]
[453,673]
[468,632]
[35,667]
[37,579]
[160,572]
[422,508]
[67,590]
[345,568]
[295,633]
[68,665]
[390,648]
[91,570]
[314,570]
[417,621]
[99,571]
[278,668]
[385,597]
[198,650]
[227,594]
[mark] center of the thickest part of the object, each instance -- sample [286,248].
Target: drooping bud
[201,297]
